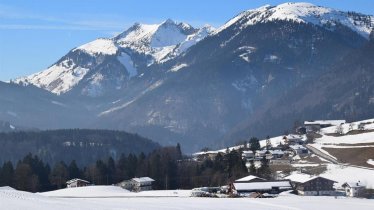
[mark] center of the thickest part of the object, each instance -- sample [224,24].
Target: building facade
[77,183]
[354,189]
[312,186]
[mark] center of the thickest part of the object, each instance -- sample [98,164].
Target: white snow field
[11,199]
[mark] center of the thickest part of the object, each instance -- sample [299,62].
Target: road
[321,154]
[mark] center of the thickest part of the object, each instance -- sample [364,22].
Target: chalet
[277,153]
[354,189]
[318,124]
[137,184]
[311,185]
[142,184]
[294,139]
[126,184]
[77,183]
[247,155]
[299,150]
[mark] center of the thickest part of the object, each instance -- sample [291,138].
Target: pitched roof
[75,180]
[248,178]
[353,184]
[143,179]
[302,178]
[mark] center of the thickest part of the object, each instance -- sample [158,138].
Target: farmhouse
[312,185]
[299,150]
[142,184]
[247,155]
[250,184]
[77,183]
[137,184]
[354,189]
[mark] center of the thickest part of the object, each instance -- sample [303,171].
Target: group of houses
[134,184]
[301,184]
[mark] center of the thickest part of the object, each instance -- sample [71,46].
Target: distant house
[77,183]
[354,189]
[137,184]
[299,150]
[251,183]
[311,185]
[277,153]
[311,126]
[142,184]
[126,184]
[247,155]
[294,139]
[249,179]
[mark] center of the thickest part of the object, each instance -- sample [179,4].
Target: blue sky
[36,33]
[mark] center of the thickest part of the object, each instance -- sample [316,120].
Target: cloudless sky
[36,33]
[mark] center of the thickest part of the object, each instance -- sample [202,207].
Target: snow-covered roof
[324,122]
[248,178]
[302,178]
[276,152]
[262,185]
[353,184]
[297,147]
[76,180]
[143,179]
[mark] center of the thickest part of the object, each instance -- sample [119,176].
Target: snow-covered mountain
[262,69]
[304,13]
[109,63]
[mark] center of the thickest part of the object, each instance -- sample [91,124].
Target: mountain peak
[303,12]
[168,21]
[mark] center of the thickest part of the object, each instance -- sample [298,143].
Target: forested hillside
[83,145]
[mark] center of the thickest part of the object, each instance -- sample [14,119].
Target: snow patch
[178,67]
[99,46]
[125,60]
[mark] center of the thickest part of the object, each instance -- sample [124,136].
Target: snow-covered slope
[153,43]
[305,13]
[14,200]
[99,46]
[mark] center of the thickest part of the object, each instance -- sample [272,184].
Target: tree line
[166,165]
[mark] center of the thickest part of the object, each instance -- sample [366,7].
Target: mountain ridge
[223,86]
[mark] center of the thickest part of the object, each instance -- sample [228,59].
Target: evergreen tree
[59,175]
[255,144]
[22,176]
[7,175]
[111,170]
[74,171]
